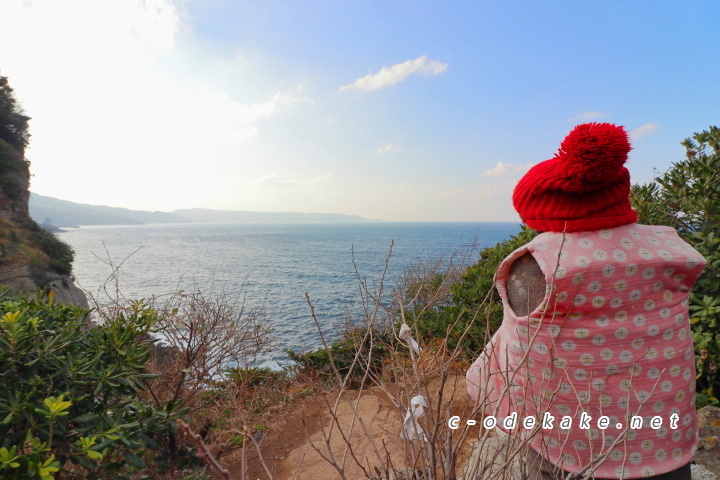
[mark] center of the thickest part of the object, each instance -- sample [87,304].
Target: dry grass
[17,248]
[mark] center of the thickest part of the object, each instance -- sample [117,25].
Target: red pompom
[594,152]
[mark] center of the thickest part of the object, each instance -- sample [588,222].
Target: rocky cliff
[30,257]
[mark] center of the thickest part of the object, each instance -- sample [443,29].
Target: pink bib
[611,340]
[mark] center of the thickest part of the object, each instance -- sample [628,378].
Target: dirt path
[287,443]
[287,448]
[288,453]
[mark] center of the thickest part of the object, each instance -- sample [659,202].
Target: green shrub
[687,198]
[60,254]
[69,391]
[471,302]
[11,160]
[13,122]
[253,376]
[27,243]
[14,137]
[343,353]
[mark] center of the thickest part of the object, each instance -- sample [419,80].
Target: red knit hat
[584,187]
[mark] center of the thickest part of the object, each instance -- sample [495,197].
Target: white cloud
[157,21]
[643,130]
[391,148]
[588,117]
[274,180]
[503,169]
[238,113]
[397,73]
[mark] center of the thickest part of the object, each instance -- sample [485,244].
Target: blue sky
[394,110]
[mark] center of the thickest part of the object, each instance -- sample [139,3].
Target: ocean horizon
[272,265]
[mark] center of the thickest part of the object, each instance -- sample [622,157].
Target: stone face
[67,293]
[19,279]
[23,280]
[526,285]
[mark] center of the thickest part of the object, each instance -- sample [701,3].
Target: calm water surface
[278,263]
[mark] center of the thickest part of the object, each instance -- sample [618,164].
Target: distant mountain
[63,213]
[204,215]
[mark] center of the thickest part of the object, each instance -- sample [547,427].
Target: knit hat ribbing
[584,187]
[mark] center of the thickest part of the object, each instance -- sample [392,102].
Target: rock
[67,293]
[23,280]
[708,453]
[701,473]
[526,290]
[19,279]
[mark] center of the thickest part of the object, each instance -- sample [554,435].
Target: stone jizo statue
[596,328]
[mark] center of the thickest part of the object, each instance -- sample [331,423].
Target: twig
[340,380]
[203,452]
[247,436]
[244,457]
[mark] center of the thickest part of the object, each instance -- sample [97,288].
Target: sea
[272,266]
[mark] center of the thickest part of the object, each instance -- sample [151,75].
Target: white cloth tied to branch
[406,334]
[411,427]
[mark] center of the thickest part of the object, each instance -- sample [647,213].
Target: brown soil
[287,444]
